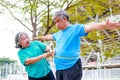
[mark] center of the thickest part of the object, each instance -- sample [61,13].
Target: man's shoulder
[78,24]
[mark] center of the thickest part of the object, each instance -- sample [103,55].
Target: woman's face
[24,40]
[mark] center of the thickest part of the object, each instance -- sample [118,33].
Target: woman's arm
[35,59]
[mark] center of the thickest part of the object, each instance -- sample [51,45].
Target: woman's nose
[26,39]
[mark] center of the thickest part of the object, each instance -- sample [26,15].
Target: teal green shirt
[40,68]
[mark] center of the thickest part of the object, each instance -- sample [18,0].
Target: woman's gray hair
[17,39]
[60,14]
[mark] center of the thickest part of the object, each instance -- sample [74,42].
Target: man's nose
[57,24]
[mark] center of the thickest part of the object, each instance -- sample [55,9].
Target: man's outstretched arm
[44,38]
[101,26]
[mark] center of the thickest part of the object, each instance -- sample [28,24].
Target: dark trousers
[73,73]
[49,76]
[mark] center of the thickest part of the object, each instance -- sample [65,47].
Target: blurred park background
[100,51]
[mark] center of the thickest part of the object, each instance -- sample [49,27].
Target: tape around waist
[69,58]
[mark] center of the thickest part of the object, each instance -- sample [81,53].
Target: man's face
[24,40]
[60,23]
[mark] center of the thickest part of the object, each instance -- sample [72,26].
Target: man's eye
[57,21]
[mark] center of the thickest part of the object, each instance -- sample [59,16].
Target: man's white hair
[60,14]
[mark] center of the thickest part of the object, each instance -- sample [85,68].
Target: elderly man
[67,61]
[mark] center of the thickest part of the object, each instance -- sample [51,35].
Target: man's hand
[112,24]
[48,54]
[52,52]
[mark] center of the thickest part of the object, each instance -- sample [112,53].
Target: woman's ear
[18,46]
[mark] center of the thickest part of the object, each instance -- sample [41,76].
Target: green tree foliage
[36,15]
[87,11]
[5,60]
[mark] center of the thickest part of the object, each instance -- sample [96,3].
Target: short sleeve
[41,45]
[22,56]
[55,35]
[80,28]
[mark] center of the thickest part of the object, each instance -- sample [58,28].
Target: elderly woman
[32,55]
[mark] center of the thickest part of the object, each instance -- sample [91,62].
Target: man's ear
[64,18]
